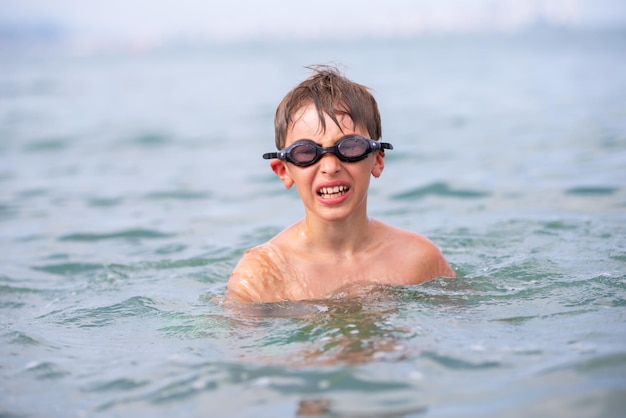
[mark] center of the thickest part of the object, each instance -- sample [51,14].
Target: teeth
[329,191]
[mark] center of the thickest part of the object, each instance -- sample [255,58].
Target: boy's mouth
[332,192]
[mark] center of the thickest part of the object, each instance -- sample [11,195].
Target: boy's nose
[330,164]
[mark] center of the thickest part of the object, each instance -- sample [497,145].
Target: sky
[161,20]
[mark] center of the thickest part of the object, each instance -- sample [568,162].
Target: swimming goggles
[348,149]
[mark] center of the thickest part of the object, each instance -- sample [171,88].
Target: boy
[327,133]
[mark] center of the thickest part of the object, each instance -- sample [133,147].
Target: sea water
[131,181]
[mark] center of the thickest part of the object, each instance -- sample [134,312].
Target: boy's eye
[353,147]
[303,152]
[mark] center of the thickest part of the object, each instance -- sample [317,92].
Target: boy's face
[330,188]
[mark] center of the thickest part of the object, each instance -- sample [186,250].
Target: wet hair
[332,94]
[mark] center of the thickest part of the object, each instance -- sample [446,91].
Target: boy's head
[332,94]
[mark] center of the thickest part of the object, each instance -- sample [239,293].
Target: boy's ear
[280,169]
[379,164]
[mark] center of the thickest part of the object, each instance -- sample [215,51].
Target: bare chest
[318,279]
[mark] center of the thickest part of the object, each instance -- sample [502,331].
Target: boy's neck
[338,237]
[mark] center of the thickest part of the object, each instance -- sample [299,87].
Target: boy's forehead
[308,118]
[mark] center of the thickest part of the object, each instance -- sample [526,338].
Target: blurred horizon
[144,24]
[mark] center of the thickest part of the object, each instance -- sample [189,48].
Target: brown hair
[332,94]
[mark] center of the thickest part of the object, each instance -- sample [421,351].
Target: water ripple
[102,316]
[20,338]
[119,384]
[46,370]
[456,363]
[439,189]
[131,234]
[178,195]
[68,269]
[47,145]
[591,191]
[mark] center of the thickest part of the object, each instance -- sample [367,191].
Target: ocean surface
[131,181]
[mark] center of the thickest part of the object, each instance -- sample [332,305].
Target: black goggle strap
[375,145]
[270,155]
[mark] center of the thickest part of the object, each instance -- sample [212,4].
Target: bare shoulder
[256,275]
[415,254]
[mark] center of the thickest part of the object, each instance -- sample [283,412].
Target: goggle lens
[303,153]
[353,147]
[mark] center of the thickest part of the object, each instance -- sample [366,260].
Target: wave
[439,189]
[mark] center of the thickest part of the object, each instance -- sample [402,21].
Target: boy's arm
[256,277]
[443,267]
[241,283]
[428,261]
[438,266]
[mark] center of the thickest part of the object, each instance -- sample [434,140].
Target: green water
[131,183]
